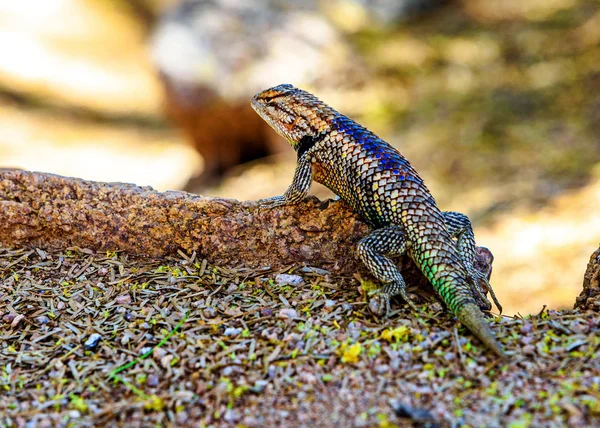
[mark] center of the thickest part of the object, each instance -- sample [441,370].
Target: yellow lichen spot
[154,403]
[375,186]
[350,353]
[398,334]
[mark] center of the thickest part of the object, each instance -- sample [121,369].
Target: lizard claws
[273,202]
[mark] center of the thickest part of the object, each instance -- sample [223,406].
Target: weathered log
[590,295]
[49,211]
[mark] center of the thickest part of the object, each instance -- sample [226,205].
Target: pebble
[287,313]
[282,278]
[8,317]
[123,299]
[152,380]
[42,319]
[231,415]
[259,385]
[92,342]
[232,288]
[209,312]
[382,368]
[145,350]
[527,328]
[182,417]
[158,353]
[165,361]
[266,312]
[232,332]
[347,307]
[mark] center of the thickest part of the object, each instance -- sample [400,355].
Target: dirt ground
[89,339]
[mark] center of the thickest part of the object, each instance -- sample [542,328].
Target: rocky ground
[102,338]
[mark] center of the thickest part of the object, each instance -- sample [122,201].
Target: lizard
[387,192]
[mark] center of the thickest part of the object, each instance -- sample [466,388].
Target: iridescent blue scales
[381,185]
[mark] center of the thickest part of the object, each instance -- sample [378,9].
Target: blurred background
[496,104]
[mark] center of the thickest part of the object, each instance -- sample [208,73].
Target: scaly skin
[380,184]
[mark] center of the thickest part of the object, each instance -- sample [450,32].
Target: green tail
[470,315]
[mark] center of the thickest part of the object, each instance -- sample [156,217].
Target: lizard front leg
[459,226]
[372,250]
[299,188]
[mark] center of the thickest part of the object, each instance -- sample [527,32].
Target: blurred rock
[354,15]
[590,295]
[89,54]
[212,56]
[78,96]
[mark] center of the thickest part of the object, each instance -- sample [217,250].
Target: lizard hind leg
[373,251]
[459,227]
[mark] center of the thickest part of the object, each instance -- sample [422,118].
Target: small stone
[231,415]
[152,380]
[103,271]
[528,350]
[232,288]
[232,332]
[158,353]
[287,313]
[42,319]
[527,328]
[266,312]
[347,307]
[382,368]
[182,417]
[92,342]
[250,421]
[60,305]
[123,299]
[329,304]
[145,350]
[74,414]
[8,318]
[209,312]
[282,278]
[526,340]
[259,385]
[165,361]
[145,326]
[129,316]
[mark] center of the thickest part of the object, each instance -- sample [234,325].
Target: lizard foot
[380,302]
[273,202]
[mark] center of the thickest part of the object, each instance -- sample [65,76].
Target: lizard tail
[470,315]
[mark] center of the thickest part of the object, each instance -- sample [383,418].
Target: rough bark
[590,295]
[53,212]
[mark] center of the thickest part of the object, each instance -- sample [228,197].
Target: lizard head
[293,113]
